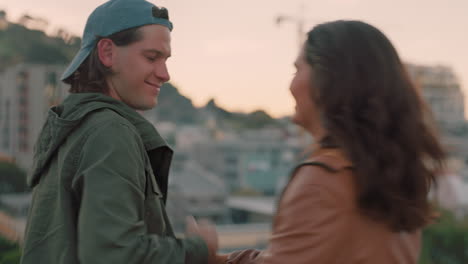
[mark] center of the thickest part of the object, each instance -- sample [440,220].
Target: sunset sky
[233,51]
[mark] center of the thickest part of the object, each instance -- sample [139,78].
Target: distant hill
[256,119]
[175,107]
[19,43]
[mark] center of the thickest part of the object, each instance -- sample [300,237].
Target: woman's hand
[207,231]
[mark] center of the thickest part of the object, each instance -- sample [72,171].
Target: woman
[362,196]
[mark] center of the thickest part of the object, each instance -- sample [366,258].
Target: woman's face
[306,113]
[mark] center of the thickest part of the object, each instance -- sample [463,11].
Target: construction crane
[298,20]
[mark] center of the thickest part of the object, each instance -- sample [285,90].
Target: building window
[51,89]
[6,127]
[23,110]
[23,101]
[1,106]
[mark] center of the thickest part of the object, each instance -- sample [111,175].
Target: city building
[26,93]
[253,160]
[451,193]
[441,90]
[194,191]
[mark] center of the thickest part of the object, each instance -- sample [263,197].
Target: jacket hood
[63,119]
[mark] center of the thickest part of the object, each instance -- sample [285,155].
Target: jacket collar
[333,157]
[64,119]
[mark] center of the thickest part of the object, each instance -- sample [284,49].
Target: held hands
[220,259]
[207,231]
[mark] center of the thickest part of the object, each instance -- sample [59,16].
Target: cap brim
[76,62]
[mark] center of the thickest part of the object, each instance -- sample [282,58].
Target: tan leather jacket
[318,222]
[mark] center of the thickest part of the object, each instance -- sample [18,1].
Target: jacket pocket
[154,208]
[151,180]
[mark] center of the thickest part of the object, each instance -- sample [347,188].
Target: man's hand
[221,259]
[207,232]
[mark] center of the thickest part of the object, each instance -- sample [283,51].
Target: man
[100,170]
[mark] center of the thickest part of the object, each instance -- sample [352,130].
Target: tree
[446,241]
[12,178]
[10,252]
[19,43]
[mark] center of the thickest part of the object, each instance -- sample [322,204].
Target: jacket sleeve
[308,228]
[110,182]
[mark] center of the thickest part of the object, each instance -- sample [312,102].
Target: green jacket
[99,183]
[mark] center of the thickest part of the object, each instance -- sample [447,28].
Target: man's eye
[151,58]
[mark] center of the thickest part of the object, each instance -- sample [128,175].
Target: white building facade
[27,91]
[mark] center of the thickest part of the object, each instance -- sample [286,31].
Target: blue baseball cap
[112,17]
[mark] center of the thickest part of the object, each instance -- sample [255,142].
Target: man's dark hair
[90,77]
[374,112]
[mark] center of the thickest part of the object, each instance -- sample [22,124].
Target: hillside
[19,43]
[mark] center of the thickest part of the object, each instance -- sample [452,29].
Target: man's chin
[145,106]
[295,119]
[154,104]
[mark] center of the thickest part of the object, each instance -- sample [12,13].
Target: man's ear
[106,50]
